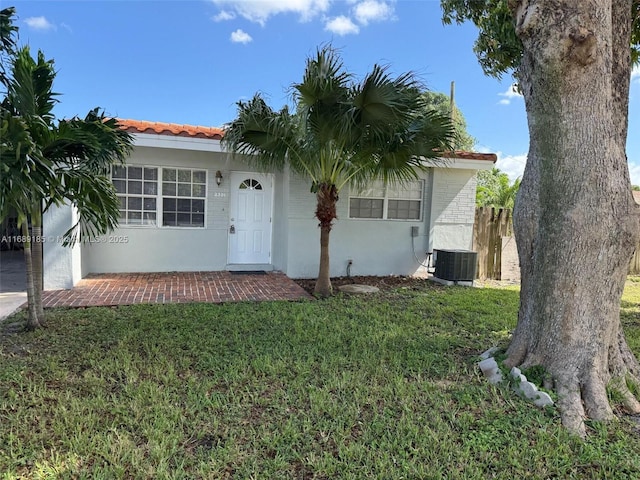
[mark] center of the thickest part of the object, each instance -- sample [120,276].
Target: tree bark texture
[575,220]
[37,259]
[327,198]
[33,321]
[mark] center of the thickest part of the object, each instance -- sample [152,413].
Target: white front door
[250,218]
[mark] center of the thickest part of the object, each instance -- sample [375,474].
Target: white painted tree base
[522,386]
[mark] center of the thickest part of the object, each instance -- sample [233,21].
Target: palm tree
[23,172]
[8,33]
[342,132]
[49,162]
[495,189]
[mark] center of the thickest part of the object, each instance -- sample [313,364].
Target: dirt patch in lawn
[383,283]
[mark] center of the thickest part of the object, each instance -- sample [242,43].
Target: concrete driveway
[12,282]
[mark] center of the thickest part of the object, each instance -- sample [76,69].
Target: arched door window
[250,184]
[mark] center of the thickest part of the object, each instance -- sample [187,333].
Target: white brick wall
[454,197]
[301,201]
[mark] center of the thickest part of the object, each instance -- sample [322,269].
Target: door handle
[232,229]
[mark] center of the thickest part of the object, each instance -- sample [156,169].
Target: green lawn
[381,386]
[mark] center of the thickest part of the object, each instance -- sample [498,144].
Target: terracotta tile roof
[489,157]
[160,128]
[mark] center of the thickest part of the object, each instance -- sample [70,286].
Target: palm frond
[382,101]
[343,131]
[30,90]
[322,98]
[325,80]
[96,141]
[8,30]
[8,41]
[96,202]
[398,154]
[263,137]
[495,189]
[25,173]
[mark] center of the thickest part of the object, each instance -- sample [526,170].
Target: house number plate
[219,194]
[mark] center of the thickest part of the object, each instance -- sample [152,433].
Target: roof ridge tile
[164,128]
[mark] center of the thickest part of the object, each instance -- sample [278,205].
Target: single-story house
[187,205]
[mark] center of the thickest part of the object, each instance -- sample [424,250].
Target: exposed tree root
[582,393]
[570,406]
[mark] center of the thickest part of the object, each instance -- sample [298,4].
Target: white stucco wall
[161,249]
[61,265]
[376,247]
[280,236]
[383,247]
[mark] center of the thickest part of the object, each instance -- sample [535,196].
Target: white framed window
[393,202]
[177,196]
[137,189]
[184,192]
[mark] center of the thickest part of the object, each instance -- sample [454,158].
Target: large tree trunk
[327,197]
[575,220]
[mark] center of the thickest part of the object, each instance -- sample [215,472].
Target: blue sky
[190,61]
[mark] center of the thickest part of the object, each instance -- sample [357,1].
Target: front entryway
[250,218]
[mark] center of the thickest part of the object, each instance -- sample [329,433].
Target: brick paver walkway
[175,287]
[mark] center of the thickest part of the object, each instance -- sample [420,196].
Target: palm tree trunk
[323,286]
[327,198]
[32,321]
[36,254]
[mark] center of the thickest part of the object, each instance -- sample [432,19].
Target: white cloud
[39,23]
[512,165]
[240,36]
[259,11]
[223,16]
[341,25]
[509,95]
[372,11]
[635,75]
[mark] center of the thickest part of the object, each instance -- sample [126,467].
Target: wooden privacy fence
[634,266]
[490,226]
